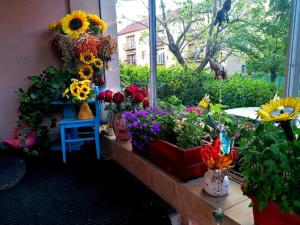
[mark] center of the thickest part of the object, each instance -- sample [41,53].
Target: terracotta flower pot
[184,164]
[272,215]
[120,128]
[85,111]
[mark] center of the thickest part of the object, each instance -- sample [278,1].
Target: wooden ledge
[187,198]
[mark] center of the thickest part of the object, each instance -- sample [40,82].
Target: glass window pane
[205,46]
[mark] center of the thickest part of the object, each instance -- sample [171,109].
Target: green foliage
[190,86]
[262,37]
[271,166]
[35,102]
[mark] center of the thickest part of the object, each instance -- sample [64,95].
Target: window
[131,59]
[160,56]
[243,69]
[130,42]
[143,54]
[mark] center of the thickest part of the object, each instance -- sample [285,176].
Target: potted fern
[270,163]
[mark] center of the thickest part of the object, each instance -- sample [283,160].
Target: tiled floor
[84,191]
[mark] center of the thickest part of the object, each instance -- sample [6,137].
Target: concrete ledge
[187,198]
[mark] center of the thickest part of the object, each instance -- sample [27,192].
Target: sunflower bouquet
[82,46]
[270,156]
[79,90]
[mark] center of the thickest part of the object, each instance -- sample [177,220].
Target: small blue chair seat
[70,134]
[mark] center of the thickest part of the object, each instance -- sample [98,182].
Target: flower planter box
[272,215]
[184,164]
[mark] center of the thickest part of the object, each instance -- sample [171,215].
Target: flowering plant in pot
[132,98]
[81,91]
[172,135]
[271,163]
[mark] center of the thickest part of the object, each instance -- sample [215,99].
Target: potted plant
[270,163]
[81,91]
[171,135]
[132,98]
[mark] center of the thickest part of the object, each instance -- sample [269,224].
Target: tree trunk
[273,75]
[202,65]
[177,54]
[210,47]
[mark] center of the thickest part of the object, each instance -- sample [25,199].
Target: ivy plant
[35,103]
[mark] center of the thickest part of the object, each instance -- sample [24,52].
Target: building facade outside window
[143,54]
[161,56]
[131,59]
[130,42]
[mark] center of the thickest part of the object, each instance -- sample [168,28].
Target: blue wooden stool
[69,127]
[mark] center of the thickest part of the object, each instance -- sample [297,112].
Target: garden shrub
[190,86]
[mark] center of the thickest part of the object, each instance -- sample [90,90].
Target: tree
[256,30]
[263,37]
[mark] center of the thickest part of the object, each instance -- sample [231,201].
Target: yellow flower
[82,95]
[96,20]
[66,92]
[86,72]
[74,80]
[87,57]
[74,89]
[54,25]
[75,24]
[85,88]
[280,109]
[98,63]
[86,82]
[204,103]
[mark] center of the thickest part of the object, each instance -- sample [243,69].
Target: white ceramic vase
[216,182]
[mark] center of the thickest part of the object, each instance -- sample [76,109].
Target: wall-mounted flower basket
[184,164]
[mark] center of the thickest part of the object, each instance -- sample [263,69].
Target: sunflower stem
[287,128]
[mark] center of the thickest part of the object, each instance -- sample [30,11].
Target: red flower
[205,152]
[138,96]
[146,103]
[105,96]
[108,96]
[118,98]
[145,92]
[233,155]
[101,96]
[130,90]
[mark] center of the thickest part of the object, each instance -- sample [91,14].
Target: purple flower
[129,116]
[155,128]
[135,123]
[144,124]
[141,113]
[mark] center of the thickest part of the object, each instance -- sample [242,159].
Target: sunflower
[280,109]
[85,88]
[74,89]
[86,72]
[87,57]
[98,63]
[54,25]
[82,95]
[86,82]
[75,24]
[94,19]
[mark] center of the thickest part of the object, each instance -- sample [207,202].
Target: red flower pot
[184,164]
[272,215]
